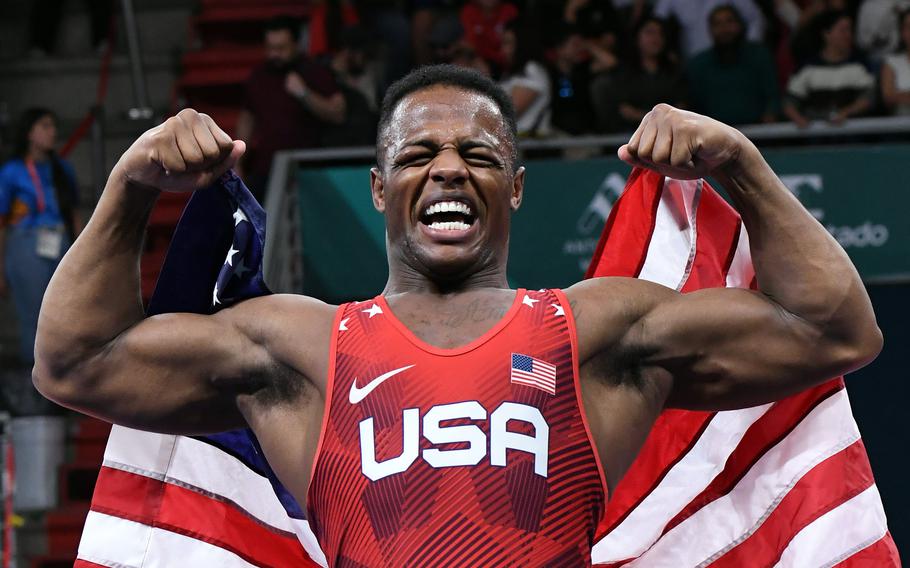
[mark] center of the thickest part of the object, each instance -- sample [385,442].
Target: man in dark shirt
[734,80]
[289,99]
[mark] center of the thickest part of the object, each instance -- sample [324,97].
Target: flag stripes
[757,499]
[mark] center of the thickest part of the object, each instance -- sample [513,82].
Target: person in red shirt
[289,99]
[483,22]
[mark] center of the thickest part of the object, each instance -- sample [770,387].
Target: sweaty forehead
[445,114]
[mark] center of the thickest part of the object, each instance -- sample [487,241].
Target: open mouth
[448,216]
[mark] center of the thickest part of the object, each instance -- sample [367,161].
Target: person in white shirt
[876,27]
[526,80]
[895,72]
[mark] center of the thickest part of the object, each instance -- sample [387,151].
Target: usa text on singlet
[473,456]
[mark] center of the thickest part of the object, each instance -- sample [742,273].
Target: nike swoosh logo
[359,393]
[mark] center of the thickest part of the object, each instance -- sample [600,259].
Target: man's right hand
[185,153]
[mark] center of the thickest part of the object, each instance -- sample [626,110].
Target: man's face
[446,184]
[280,47]
[725,28]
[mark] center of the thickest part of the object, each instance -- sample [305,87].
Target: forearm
[859,106]
[798,264]
[94,294]
[330,109]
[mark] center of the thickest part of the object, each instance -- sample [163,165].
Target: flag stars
[230,256]
[373,310]
[241,269]
[215,300]
[343,325]
[239,216]
[560,311]
[529,301]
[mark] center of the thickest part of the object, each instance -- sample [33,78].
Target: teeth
[448,206]
[450,226]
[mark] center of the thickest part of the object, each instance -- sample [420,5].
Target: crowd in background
[576,67]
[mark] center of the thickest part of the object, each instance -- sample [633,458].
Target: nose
[449,169]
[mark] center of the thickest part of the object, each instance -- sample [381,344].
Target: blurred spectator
[389,23]
[692,16]
[328,18]
[591,17]
[463,55]
[599,23]
[734,81]
[483,22]
[570,80]
[525,78]
[895,74]
[44,23]
[876,27]
[429,17]
[289,99]
[650,76]
[38,219]
[806,35]
[632,11]
[357,79]
[836,84]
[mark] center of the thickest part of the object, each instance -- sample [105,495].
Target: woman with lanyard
[38,219]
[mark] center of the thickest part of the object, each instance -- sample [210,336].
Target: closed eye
[420,159]
[482,160]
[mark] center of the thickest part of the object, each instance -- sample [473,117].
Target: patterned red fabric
[468,468]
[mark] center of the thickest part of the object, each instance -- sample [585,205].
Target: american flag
[786,484]
[528,371]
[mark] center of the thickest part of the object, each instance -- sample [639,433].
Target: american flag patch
[533,372]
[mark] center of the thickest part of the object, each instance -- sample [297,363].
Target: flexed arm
[95,350]
[714,349]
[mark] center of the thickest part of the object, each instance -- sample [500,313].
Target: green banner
[566,203]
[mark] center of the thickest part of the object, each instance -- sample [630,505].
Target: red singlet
[473,456]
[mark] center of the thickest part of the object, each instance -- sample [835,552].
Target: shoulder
[606,309]
[295,330]
[266,316]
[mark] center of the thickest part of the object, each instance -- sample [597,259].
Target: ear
[377,189]
[518,188]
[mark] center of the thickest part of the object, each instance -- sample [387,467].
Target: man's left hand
[295,85]
[684,145]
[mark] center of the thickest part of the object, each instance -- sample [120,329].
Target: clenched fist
[684,145]
[187,152]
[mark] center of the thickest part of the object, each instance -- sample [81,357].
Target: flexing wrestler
[451,420]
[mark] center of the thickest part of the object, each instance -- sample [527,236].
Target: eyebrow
[463,145]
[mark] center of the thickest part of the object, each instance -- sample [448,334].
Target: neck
[834,54]
[37,155]
[404,279]
[649,63]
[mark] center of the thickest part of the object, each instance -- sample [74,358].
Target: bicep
[731,348]
[178,373]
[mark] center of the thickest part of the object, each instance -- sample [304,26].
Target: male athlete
[416,436]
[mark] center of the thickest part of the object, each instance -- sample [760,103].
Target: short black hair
[284,22]
[727,8]
[451,76]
